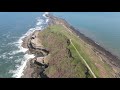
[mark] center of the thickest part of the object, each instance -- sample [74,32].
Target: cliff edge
[63,52]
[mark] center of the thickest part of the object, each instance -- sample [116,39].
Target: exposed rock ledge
[35,67]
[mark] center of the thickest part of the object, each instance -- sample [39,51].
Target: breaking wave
[40,25]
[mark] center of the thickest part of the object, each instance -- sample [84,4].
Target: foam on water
[44,15]
[20,67]
[3,56]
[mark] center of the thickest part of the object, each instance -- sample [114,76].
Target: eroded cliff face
[57,51]
[35,67]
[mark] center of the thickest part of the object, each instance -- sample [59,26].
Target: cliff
[63,52]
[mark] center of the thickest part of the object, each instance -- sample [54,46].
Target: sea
[102,27]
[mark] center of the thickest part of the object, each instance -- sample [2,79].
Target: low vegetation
[64,62]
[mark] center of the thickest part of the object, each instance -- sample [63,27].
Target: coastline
[34,66]
[87,39]
[112,60]
[101,49]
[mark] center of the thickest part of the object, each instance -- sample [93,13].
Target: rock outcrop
[62,61]
[36,66]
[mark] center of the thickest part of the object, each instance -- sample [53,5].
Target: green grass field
[61,64]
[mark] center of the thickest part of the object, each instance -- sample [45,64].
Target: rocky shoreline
[36,66]
[113,58]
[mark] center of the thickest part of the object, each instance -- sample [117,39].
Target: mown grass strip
[83,60]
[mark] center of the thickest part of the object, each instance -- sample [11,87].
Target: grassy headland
[64,62]
[63,52]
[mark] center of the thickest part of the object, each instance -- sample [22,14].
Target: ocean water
[103,27]
[14,26]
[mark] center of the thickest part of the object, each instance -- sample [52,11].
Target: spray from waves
[20,68]
[47,18]
[40,25]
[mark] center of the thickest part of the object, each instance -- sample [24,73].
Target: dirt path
[83,60]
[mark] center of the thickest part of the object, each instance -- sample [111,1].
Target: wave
[44,15]
[40,25]
[3,56]
[20,68]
